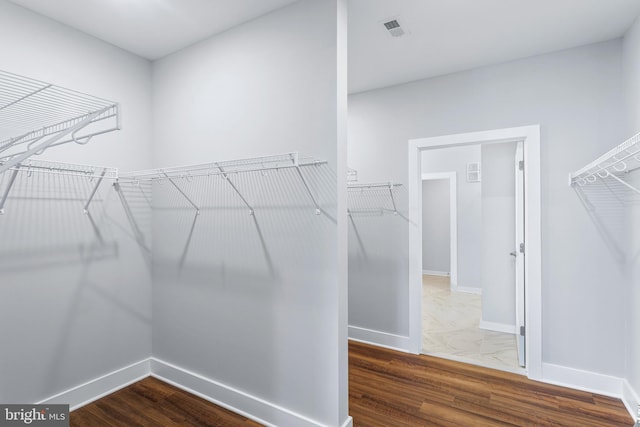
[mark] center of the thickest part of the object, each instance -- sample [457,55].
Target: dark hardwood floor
[152,403]
[386,389]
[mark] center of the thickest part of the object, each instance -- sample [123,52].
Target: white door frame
[520,236]
[530,135]
[453,221]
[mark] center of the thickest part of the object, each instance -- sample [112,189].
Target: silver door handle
[513,254]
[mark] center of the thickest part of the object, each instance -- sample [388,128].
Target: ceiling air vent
[394,28]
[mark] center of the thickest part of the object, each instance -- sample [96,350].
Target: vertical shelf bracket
[93,192]
[182,192]
[7,190]
[393,200]
[96,231]
[225,175]
[296,163]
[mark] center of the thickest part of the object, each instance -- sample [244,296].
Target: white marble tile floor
[451,329]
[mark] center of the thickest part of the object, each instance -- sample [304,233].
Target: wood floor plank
[154,403]
[448,393]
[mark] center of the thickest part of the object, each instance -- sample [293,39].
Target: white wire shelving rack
[227,169]
[611,166]
[96,174]
[376,190]
[35,116]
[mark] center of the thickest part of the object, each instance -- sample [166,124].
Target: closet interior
[209,233]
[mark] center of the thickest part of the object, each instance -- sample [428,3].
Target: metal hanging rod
[229,167]
[35,116]
[612,165]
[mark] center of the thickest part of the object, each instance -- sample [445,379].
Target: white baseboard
[466,289]
[578,379]
[592,382]
[630,399]
[95,389]
[237,401]
[380,339]
[436,273]
[498,327]
[242,403]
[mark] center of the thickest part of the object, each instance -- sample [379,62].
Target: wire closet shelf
[227,169]
[612,165]
[382,188]
[35,116]
[31,167]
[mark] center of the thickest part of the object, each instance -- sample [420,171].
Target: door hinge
[521,248]
[522,331]
[521,165]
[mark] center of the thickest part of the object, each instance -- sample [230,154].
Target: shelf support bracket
[296,164]
[393,200]
[225,175]
[39,148]
[93,192]
[7,190]
[182,192]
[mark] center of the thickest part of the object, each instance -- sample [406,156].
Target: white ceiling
[445,35]
[455,35]
[152,28]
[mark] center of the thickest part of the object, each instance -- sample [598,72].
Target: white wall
[631,55]
[469,208]
[498,233]
[65,323]
[259,306]
[436,240]
[377,257]
[233,96]
[576,96]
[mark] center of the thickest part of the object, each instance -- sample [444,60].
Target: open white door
[519,254]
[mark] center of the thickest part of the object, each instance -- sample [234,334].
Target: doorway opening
[527,250]
[440,224]
[473,319]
